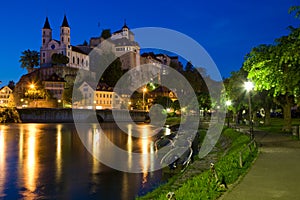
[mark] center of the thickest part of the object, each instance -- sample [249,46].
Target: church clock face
[52,46]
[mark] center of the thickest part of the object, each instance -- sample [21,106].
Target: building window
[44,54]
[73,59]
[44,41]
[77,61]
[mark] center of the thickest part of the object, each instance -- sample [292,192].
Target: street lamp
[32,86]
[144,91]
[228,103]
[249,86]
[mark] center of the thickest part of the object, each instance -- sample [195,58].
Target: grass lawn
[277,124]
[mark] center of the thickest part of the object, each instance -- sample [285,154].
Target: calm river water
[49,161]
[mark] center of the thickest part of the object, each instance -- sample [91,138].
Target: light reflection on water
[49,161]
[2,161]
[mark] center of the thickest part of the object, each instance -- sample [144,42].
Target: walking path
[274,175]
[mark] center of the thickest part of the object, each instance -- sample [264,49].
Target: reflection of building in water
[147,146]
[129,145]
[31,168]
[2,161]
[58,153]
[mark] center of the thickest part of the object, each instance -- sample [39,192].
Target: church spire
[125,25]
[47,24]
[65,22]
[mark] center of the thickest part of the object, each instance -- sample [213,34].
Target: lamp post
[144,91]
[32,87]
[228,103]
[249,86]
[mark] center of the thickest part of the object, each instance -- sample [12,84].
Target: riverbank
[274,174]
[199,181]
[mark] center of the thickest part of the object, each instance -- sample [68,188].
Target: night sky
[226,29]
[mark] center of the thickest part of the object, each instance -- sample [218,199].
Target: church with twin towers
[78,55]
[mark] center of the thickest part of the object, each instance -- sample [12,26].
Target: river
[49,161]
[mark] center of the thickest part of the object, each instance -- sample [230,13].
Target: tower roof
[47,24]
[65,22]
[125,25]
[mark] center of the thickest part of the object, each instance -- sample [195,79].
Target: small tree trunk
[287,116]
[267,116]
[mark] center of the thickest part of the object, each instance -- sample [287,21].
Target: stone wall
[54,115]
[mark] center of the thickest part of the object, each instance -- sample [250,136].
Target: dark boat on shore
[177,158]
[162,142]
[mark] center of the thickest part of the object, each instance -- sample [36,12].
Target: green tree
[164,101]
[59,59]
[275,68]
[72,94]
[106,34]
[176,105]
[177,66]
[113,73]
[29,59]
[11,85]
[296,10]
[37,91]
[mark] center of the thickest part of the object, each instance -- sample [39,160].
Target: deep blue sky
[226,29]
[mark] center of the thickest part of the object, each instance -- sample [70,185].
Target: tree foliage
[275,68]
[106,34]
[59,59]
[296,10]
[37,92]
[164,101]
[11,85]
[112,73]
[29,59]
[72,94]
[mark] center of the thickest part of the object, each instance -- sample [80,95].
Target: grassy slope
[203,185]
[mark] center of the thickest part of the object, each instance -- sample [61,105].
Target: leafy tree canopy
[59,59]
[29,59]
[106,34]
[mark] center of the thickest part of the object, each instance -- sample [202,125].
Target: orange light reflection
[58,152]
[2,160]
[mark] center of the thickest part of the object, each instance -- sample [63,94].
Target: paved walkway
[274,175]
